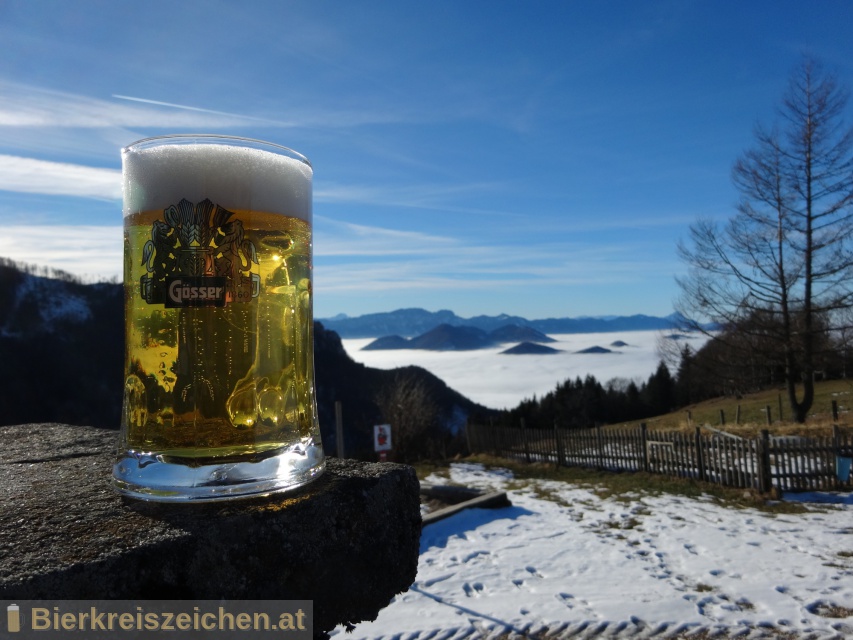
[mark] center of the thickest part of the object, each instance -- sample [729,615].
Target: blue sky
[531,158]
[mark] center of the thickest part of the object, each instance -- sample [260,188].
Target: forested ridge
[62,346]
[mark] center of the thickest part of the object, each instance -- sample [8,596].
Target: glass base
[160,478]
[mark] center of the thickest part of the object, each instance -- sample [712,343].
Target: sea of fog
[501,381]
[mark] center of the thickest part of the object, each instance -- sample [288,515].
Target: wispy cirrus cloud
[433,197]
[336,238]
[484,275]
[92,252]
[184,107]
[361,258]
[28,175]
[306,117]
[353,259]
[414,195]
[30,106]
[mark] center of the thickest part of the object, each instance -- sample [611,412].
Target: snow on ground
[55,302]
[566,559]
[502,381]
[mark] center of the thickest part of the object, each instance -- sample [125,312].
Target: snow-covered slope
[573,562]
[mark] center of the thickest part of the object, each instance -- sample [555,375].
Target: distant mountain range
[446,337]
[409,323]
[62,360]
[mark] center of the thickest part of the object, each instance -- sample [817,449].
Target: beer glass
[219,365]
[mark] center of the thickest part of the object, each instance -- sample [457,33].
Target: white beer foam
[231,176]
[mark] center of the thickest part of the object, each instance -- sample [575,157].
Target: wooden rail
[763,463]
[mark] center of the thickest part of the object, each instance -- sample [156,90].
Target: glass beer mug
[219,395]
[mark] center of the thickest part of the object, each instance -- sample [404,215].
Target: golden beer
[219,381]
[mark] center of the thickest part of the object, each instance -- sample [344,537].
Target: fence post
[644,437]
[600,438]
[560,459]
[836,445]
[781,415]
[339,429]
[769,417]
[737,415]
[722,418]
[765,480]
[835,410]
[700,459]
[524,439]
[689,417]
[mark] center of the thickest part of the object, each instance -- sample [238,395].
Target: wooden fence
[788,464]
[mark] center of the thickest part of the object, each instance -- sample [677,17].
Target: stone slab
[348,541]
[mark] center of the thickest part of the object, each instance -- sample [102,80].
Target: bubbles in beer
[251,356]
[135,402]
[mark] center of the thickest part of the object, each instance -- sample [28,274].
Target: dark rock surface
[348,541]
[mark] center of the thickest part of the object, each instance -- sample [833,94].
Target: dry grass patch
[753,416]
[626,486]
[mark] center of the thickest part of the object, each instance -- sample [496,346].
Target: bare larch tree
[778,276]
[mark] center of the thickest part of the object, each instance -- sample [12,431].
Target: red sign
[382,437]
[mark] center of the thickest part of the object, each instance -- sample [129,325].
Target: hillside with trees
[62,346]
[775,282]
[778,275]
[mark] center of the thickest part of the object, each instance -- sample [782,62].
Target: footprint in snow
[567,599]
[702,605]
[475,554]
[532,571]
[571,602]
